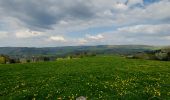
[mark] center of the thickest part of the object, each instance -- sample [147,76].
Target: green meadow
[96,78]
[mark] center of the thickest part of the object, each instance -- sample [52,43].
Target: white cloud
[120,6]
[74,18]
[62,22]
[28,34]
[133,2]
[3,34]
[82,41]
[166,37]
[146,29]
[88,39]
[95,37]
[118,14]
[159,10]
[57,38]
[139,34]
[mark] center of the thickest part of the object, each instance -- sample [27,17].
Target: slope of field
[104,77]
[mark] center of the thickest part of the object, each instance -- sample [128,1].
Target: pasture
[101,77]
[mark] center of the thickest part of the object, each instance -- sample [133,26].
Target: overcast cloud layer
[44,23]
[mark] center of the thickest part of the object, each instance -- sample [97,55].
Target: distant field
[106,78]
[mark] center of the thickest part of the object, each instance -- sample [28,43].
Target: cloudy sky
[45,23]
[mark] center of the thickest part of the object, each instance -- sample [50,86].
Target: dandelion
[105,86]
[168,93]
[33,99]
[49,95]
[22,84]
[35,95]
[59,98]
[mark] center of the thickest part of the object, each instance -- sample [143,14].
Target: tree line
[162,55]
[5,59]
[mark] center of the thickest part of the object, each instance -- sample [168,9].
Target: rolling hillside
[101,49]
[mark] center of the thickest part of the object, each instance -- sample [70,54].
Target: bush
[2,60]
[162,56]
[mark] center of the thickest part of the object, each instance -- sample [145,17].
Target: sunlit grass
[104,77]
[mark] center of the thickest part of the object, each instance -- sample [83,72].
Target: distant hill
[100,49]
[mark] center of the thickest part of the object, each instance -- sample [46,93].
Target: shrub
[2,60]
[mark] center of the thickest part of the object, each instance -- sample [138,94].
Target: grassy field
[104,78]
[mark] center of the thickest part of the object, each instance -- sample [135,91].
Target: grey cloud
[47,14]
[140,34]
[27,12]
[43,14]
[63,17]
